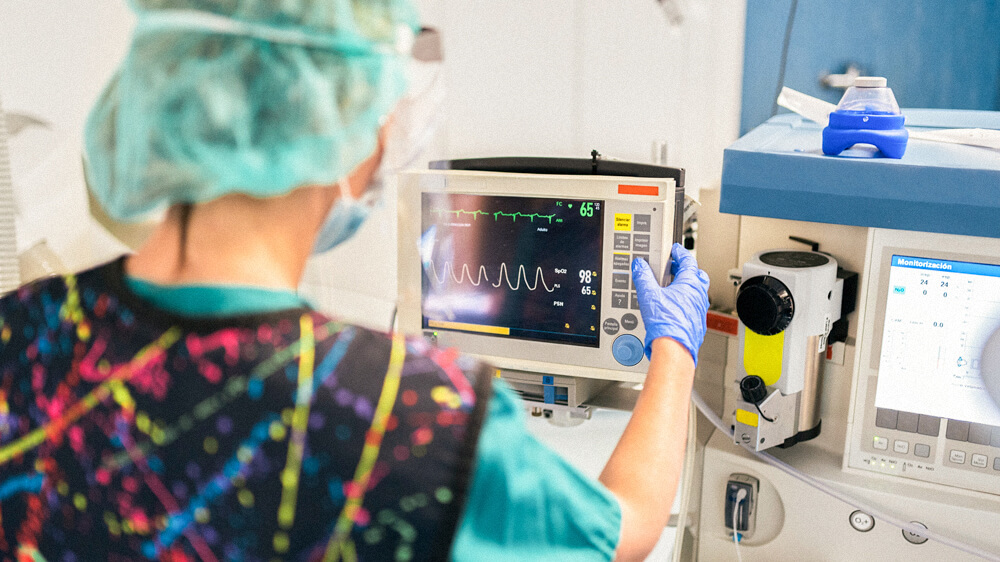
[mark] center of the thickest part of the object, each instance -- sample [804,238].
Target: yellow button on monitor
[623,221]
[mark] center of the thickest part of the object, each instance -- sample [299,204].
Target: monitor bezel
[509,353]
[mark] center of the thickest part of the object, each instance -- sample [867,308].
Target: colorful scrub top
[127,431]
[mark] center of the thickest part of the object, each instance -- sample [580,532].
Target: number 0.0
[587,209]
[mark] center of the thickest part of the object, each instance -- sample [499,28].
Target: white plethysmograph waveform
[466,274]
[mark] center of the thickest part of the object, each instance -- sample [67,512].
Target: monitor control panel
[633,231]
[921,408]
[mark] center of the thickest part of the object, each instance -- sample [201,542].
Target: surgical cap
[244,96]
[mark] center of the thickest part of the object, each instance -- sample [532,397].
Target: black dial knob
[765,305]
[753,389]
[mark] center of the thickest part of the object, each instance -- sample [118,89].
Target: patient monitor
[532,271]
[923,410]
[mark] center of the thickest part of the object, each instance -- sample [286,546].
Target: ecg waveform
[449,271]
[496,215]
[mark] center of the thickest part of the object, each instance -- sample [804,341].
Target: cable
[392,320]
[851,501]
[762,413]
[784,55]
[741,497]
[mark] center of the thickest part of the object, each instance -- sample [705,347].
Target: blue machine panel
[778,170]
[934,53]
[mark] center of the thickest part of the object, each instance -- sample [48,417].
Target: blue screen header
[946,266]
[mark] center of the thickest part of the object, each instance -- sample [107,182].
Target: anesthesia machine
[849,381]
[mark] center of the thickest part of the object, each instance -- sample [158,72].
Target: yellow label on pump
[762,355]
[623,221]
[746,418]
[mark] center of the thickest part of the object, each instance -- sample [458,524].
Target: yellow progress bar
[469,327]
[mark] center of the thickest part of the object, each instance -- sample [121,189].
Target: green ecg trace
[475,214]
[496,215]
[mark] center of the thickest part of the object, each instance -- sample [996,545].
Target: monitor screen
[512,267]
[938,316]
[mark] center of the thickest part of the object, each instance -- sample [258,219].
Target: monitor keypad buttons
[979,433]
[979,461]
[610,326]
[957,430]
[622,241]
[908,422]
[641,223]
[619,300]
[621,261]
[630,322]
[928,425]
[886,418]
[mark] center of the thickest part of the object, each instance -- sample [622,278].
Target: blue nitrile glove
[678,310]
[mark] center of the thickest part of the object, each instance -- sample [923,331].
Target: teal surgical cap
[244,96]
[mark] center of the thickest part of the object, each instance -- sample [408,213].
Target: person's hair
[184,211]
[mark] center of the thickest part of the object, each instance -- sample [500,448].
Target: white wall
[560,78]
[55,58]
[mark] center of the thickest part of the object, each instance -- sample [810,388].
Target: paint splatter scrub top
[234,423]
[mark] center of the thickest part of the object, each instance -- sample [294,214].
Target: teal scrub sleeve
[214,300]
[527,503]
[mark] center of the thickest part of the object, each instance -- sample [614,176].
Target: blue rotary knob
[627,350]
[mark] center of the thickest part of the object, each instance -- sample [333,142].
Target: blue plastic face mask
[344,220]
[347,215]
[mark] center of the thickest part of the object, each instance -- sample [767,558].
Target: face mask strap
[344,188]
[369,198]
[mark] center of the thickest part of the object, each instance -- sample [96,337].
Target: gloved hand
[678,310]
